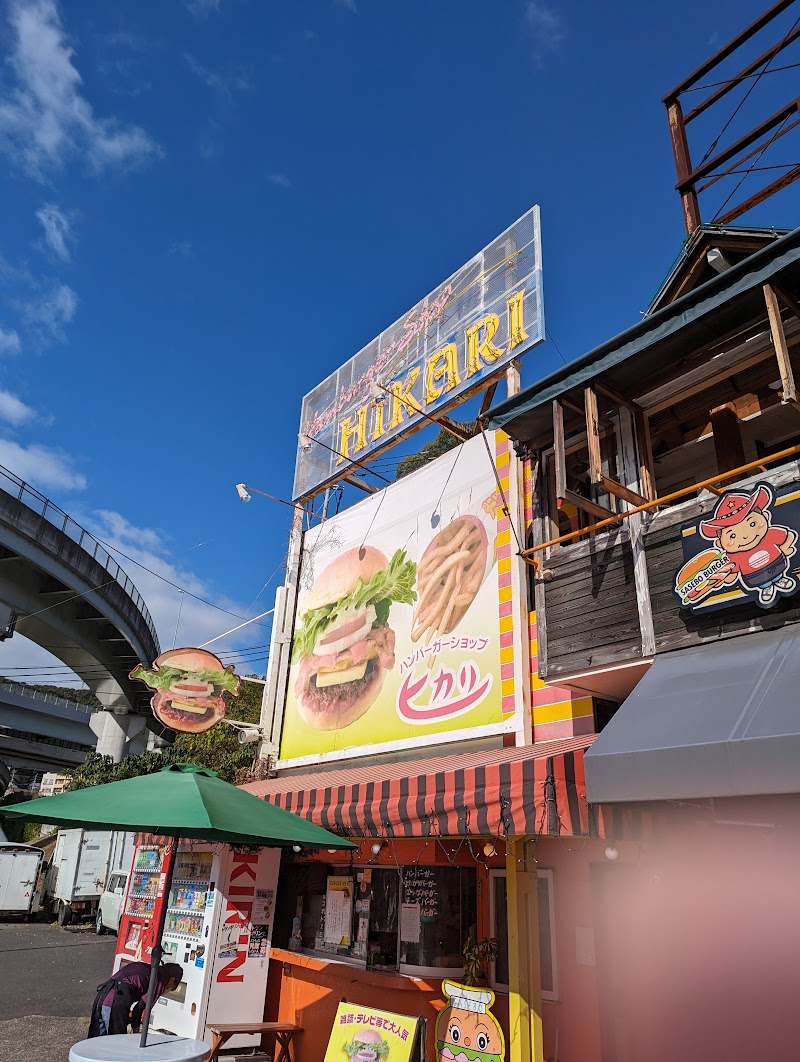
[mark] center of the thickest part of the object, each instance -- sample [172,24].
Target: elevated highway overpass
[43,732]
[74,600]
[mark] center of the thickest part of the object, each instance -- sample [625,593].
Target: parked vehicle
[20,887]
[109,908]
[82,864]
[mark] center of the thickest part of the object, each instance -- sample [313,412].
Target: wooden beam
[728,445]
[615,396]
[586,504]
[573,406]
[619,491]
[593,436]
[455,429]
[558,450]
[787,300]
[353,480]
[488,395]
[644,448]
[779,343]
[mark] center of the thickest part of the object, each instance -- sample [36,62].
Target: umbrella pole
[157,949]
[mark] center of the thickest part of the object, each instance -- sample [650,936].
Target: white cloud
[348,5]
[44,118]
[53,310]
[280,179]
[58,232]
[545,27]
[199,622]
[224,84]
[9,341]
[40,466]
[202,8]
[181,249]
[13,410]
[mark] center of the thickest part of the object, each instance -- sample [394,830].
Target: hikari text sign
[447,346]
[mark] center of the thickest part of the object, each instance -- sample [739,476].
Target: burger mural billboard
[190,688]
[396,640]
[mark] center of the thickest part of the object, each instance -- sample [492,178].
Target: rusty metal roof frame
[628,362]
[692,180]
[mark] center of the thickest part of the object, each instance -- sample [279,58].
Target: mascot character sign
[466,1030]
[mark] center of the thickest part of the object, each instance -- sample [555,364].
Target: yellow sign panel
[398,631]
[361,1034]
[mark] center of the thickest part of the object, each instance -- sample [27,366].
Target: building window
[498,903]
[410,919]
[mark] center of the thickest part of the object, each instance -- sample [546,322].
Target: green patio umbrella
[180,801]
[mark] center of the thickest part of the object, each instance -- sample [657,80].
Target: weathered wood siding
[592,618]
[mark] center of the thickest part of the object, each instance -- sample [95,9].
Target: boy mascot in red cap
[756,550]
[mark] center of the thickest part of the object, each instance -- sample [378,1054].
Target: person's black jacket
[124,999]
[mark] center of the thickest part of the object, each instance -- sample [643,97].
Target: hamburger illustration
[344,644]
[367,1046]
[707,571]
[190,685]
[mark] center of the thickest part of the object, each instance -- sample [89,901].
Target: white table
[126,1048]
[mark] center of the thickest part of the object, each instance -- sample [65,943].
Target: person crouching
[121,999]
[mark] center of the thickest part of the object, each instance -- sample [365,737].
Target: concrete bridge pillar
[115,732]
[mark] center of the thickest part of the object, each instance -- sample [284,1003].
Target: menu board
[420,887]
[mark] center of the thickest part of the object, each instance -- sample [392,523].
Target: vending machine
[218,928]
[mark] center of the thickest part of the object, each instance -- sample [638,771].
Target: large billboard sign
[396,642]
[743,551]
[447,346]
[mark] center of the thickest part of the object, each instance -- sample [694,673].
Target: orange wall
[307,990]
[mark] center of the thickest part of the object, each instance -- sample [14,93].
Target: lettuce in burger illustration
[344,644]
[367,1046]
[190,685]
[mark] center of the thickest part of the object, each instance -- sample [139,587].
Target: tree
[217,748]
[441,444]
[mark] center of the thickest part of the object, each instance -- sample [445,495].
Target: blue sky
[211,204]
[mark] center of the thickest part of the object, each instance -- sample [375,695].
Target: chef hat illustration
[462,997]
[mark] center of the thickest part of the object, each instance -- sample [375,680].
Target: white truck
[82,862]
[20,866]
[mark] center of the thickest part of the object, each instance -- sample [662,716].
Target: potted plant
[477,956]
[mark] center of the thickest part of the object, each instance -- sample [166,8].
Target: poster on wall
[361,1034]
[744,550]
[397,633]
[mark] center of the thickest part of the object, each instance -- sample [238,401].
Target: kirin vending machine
[218,927]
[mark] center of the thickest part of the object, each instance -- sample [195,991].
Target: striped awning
[510,791]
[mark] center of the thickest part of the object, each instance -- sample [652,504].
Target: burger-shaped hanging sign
[190,687]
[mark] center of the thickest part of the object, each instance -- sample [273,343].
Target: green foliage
[395,583]
[217,748]
[14,829]
[477,956]
[441,444]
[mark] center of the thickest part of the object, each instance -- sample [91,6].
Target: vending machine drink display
[136,936]
[218,928]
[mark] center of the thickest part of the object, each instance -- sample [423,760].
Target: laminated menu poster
[361,1034]
[338,911]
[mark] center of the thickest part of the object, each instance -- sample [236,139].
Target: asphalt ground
[48,978]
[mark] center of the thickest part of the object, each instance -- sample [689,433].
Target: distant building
[53,784]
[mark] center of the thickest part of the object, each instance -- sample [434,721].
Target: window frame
[542,874]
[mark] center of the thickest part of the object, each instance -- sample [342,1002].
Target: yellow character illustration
[466,1030]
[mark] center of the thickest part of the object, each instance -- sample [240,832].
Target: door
[117,894]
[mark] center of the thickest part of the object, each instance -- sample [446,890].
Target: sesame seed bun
[340,577]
